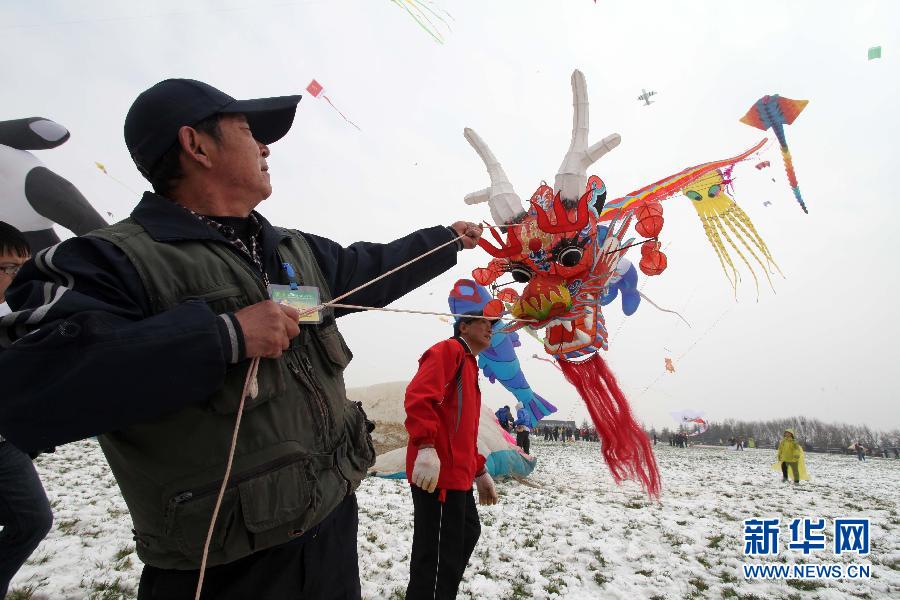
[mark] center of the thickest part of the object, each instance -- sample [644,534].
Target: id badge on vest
[300,297]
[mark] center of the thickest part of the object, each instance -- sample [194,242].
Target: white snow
[575,535]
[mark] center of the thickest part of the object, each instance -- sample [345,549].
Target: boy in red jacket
[443,404]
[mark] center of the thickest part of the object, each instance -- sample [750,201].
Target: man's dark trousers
[24,511]
[443,540]
[322,564]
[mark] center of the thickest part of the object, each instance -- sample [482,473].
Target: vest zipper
[305,377]
[209,488]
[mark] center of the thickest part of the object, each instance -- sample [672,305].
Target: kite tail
[792,177]
[625,447]
[540,408]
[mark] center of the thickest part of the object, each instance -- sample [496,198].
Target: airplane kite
[645,97]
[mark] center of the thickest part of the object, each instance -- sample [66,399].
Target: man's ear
[194,146]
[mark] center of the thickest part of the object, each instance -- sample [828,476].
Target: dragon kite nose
[544,298]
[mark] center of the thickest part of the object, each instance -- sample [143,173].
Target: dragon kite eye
[714,190]
[521,274]
[570,256]
[693,195]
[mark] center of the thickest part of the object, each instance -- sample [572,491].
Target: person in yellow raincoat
[790,456]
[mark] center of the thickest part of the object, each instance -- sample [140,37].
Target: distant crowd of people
[568,434]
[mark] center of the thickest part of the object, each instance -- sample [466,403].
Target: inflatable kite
[32,197]
[691,419]
[503,457]
[774,112]
[499,362]
[565,248]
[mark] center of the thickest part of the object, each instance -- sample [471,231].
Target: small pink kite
[315,89]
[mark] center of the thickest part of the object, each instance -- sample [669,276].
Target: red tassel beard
[624,445]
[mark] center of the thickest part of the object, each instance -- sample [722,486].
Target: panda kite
[32,197]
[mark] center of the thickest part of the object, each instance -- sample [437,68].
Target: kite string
[383,275]
[416,312]
[248,386]
[343,116]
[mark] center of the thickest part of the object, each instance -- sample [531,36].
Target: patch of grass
[110,590]
[644,572]
[673,538]
[682,523]
[551,569]
[698,583]
[518,591]
[715,540]
[801,584]
[398,594]
[122,552]
[729,592]
[635,504]
[21,593]
[600,578]
[39,559]
[115,512]
[703,561]
[727,576]
[67,525]
[587,520]
[371,537]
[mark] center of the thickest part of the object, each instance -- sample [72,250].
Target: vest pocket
[267,506]
[335,347]
[360,451]
[270,379]
[286,495]
[189,518]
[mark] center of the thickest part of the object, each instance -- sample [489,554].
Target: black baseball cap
[153,121]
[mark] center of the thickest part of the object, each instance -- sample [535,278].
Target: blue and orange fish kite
[499,362]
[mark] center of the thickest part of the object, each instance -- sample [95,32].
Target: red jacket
[435,418]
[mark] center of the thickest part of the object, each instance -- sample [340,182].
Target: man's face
[241,161]
[9,261]
[478,332]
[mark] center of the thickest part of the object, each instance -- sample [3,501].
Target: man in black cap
[142,332]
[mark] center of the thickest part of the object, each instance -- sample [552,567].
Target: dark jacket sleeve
[80,355]
[347,268]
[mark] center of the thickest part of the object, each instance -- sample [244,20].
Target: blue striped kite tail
[796,189]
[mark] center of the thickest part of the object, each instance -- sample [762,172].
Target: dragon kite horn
[506,206]
[571,179]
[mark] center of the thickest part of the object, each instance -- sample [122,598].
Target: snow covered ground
[574,535]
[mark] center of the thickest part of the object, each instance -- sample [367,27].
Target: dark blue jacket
[83,355]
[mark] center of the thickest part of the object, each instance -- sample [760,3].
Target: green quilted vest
[302,447]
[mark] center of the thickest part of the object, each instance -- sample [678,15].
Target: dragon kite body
[566,247]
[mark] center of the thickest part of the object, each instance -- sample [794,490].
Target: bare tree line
[813,434]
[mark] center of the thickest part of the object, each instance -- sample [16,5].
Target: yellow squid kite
[723,219]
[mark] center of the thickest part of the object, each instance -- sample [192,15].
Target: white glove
[426,469]
[487,493]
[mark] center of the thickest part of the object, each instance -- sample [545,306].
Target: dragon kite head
[556,246]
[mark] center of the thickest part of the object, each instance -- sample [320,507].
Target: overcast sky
[823,345]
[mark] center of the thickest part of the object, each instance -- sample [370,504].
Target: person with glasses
[25,513]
